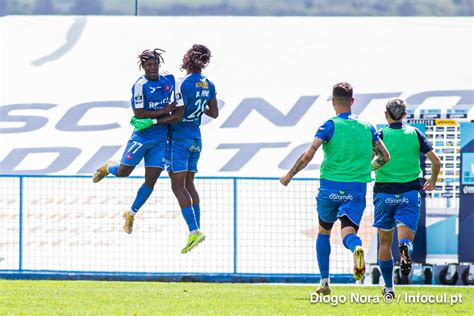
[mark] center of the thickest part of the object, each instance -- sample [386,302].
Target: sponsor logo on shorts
[397,200]
[341,196]
[128,156]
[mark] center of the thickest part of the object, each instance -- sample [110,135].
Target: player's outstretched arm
[382,156]
[212,109]
[302,161]
[430,183]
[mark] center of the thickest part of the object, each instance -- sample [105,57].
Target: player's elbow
[212,112]
[434,159]
[175,119]
[214,115]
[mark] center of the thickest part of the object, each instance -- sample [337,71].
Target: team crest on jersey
[167,87]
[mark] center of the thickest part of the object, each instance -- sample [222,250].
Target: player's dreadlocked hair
[196,58]
[150,54]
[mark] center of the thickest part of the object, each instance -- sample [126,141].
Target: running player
[196,95]
[151,97]
[347,144]
[396,190]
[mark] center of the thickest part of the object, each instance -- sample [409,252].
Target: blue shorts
[183,155]
[333,204]
[392,210]
[153,152]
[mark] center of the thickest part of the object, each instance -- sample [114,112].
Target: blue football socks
[323,250]
[387,272]
[351,242]
[142,195]
[197,213]
[112,168]
[189,217]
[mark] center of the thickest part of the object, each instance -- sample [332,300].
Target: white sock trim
[325,281]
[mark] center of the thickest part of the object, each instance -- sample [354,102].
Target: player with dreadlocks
[196,95]
[152,94]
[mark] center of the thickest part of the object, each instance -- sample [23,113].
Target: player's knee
[324,227]
[123,171]
[190,187]
[192,190]
[346,222]
[177,187]
[150,183]
[385,241]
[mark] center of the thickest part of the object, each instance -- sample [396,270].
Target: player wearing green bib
[396,190]
[347,145]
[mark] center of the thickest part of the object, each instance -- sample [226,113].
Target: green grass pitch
[145,298]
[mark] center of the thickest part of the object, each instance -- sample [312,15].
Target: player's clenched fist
[141,124]
[285,180]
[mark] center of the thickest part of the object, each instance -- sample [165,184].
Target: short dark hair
[342,90]
[396,108]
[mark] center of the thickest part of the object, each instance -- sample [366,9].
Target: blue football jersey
[153,95]
[194,92]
